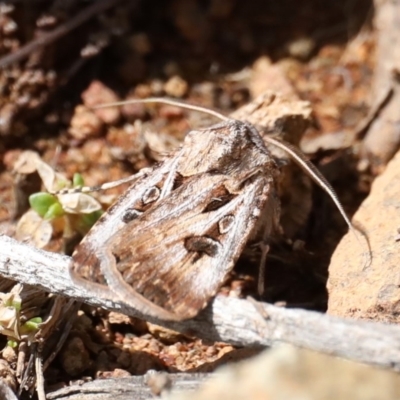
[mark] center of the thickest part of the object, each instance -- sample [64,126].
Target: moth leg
[270,227]
[104,186]
[261,268]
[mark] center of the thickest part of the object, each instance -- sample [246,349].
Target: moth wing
[85,267]
[171,260]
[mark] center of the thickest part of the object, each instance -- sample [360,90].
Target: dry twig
[46,39]
[226,319]
[6,392]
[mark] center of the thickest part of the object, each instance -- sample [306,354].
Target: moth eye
[226,223]
[130,215]
[202,244]
[151,195]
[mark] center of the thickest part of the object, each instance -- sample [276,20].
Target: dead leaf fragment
[79,203]
[9,312]
[33,229]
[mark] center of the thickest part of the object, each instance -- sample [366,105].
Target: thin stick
[39,377]
[227,319]
[6,392]
[48,38]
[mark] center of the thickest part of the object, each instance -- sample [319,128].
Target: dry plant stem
[96,8]
[230,320]
[134,387]
[39,377]
[5,392]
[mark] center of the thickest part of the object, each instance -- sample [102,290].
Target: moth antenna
[104,186]
[162,100]
[320,180]
[298,157]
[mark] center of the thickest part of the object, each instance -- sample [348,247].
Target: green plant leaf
[41,202]
[54,211]
[77,180]
[16,303]
[12,343]
[31,325]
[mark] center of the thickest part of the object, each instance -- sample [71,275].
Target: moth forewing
[182,250]
[168,243]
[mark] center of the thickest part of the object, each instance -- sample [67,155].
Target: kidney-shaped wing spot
[225,224]
[151,195]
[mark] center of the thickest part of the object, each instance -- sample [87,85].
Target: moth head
[232,148]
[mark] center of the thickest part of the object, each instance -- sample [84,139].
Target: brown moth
[166,246]
[168,243]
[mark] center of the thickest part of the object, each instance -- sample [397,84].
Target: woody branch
[236,321]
